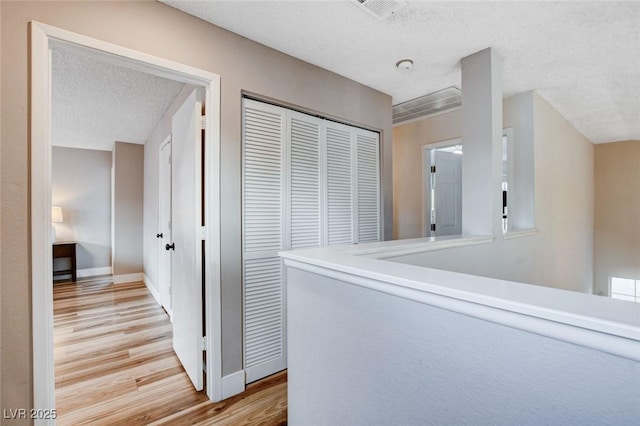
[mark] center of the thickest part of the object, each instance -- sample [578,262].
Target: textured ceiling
[582,57]
[96,103]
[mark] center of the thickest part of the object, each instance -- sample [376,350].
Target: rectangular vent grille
[381,9]
[433,103]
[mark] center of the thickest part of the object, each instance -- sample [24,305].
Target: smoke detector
[404,64]
[380,9]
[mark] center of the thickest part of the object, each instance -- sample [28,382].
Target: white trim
[161,276]
[434,243]
[128,278]
[93,272]
[233,384]
[612,338]
[42,264]
[508,133]
[509,235]
[426,186]
[151,288]
[125,57]
[42,37]
[213,297]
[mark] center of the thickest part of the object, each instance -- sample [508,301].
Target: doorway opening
[442,194]
[44,38]
[442,185]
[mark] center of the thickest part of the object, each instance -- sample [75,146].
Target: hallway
[115,365]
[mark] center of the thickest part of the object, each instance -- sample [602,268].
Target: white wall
[560,253]
[127,208]
[81,185]
[482,142]
[361,357]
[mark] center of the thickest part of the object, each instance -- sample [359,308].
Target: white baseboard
[152,289]
[128,278]
[93,272]
[233,384]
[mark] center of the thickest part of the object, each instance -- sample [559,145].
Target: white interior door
[164,225]
[448,193]
[186,218]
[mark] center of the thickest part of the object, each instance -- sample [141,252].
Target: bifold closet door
[367,186]
[339,183]
[263,227]
[352,175]
[303,221]
[307,182]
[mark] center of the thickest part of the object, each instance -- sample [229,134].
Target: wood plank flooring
[114,365]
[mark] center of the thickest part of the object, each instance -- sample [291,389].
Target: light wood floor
[115,365]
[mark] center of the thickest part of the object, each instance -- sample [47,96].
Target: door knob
[159,235]
[171,246]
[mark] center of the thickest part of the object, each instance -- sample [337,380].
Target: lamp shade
[56,214]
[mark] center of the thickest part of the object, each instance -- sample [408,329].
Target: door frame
[161,277]
[426,180]
[43,38]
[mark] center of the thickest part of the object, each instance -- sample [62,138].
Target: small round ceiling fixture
[404,64]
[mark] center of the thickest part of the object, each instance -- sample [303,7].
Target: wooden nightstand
[62,250]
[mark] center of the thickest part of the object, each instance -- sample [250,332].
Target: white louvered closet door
[339,184]
[307,182]
[367,186]
[304,218]
[264,131]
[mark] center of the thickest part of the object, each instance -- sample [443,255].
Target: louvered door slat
[368,186]
[339,192]
[263,170]
[304,181]
[262,195]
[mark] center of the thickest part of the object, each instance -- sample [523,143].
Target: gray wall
[128,181]
[81,185]
[159,30]
[362,357]
[617,213]
[560,254]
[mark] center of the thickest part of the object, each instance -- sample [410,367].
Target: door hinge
[433,226]
[433,169]
[169,159]
[203,343]
[203,233]
[203,122]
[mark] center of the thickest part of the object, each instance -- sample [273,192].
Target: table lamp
[56,217]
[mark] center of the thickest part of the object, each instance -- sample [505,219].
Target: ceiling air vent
[381,9]
[430,104]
